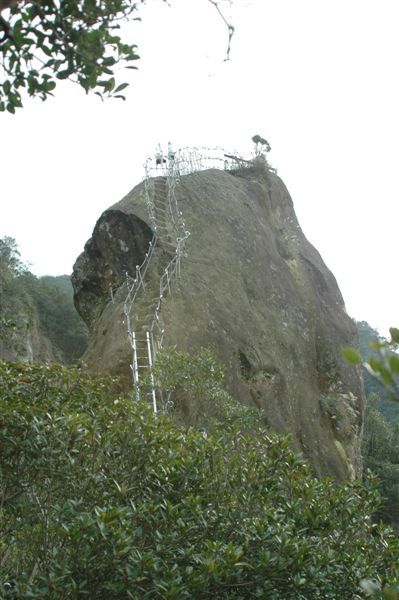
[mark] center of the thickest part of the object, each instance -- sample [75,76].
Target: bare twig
[228,25]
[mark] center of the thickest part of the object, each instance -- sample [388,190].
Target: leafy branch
[44,42]
[384,367]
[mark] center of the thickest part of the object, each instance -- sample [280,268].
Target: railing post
[149,351]
[139,272]
[167,279]
[134,365]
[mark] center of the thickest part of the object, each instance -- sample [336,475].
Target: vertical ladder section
[155,277]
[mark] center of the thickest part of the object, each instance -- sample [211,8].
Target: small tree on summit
[261,145]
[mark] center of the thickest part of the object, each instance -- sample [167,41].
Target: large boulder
[254,290]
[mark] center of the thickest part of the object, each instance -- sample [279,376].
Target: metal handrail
[134,285]
[182,162]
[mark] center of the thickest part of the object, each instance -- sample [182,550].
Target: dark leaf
[351,355]
[394,364]
[121,87]
[394,334]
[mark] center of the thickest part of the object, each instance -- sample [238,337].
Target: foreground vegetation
[100,499]
[380,448]
[380,451]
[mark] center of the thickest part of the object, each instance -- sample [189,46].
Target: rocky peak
[254,290]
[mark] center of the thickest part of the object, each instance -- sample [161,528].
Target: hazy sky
[317,78]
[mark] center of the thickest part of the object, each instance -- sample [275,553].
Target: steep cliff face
[28,342]
[38,321]
[253,289]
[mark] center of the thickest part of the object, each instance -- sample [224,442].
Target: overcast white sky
[317,78]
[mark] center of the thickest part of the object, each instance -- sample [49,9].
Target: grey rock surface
[29,343]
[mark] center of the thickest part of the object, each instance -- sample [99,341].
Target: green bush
[194,394]
[99,499]
[383,364]
[380,452]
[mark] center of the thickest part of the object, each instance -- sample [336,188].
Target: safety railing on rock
[189,160]
[147,337]
[134,284]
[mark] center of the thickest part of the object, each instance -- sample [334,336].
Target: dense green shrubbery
[100,499]
[196,387]
[380,449]
[380,452]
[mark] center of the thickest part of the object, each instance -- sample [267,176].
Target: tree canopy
[44,41]
[261,144]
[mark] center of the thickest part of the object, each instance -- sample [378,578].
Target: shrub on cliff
[100,499]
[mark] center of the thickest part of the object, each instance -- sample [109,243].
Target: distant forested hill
[380,448]
[372,386]
[38,320]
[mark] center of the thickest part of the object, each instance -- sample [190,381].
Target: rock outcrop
[38,320]
[28,342]
[253,289]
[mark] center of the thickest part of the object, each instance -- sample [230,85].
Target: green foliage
[58,317]
[44,42]
[386,366]
[351,355]
[380,452]
[196,386]
[100,499]
[12,301]
[10,261]
[334,409]
[368,338]
[379,357]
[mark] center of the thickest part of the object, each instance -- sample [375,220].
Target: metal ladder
[154,279]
